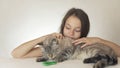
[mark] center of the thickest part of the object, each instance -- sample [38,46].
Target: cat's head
[53,46]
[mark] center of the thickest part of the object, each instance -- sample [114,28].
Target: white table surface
[31,63]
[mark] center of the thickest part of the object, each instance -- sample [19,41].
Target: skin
[72,30]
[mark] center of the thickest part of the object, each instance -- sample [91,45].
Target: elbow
[16,55]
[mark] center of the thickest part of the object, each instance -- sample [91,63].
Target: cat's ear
[41,43]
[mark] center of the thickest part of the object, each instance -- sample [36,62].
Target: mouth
[70,37]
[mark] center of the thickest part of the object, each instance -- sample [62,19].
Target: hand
[57,35]
[87,41]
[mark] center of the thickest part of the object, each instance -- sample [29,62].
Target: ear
[41,43]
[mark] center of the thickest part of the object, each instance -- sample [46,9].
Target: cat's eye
[54,42]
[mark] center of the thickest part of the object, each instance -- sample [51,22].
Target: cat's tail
[102,61]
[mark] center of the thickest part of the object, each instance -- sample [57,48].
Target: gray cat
[59,50]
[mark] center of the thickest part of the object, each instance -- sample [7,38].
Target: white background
[24,20]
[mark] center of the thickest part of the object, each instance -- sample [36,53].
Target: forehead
[73,21]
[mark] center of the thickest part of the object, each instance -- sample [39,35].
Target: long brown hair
[80,14]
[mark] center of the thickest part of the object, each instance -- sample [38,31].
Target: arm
[28,49]
[92,40]
[114,46]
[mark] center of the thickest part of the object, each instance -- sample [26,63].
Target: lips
[70,37]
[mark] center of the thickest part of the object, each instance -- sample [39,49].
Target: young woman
[75,25]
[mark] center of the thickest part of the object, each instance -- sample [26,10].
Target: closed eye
[48,48]
[77,29]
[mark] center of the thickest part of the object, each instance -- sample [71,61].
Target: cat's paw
[99,65]
[40,59]
[60,59]
[88,60]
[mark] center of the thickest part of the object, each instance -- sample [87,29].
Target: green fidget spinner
[48,63]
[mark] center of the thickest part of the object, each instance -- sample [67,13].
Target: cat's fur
[60,50]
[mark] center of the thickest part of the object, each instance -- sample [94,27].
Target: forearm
[25,48]
[114,46]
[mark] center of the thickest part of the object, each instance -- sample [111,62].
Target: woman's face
[72,28]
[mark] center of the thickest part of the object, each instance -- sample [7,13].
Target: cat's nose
[51,55]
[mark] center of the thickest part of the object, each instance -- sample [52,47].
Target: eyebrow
[67,25]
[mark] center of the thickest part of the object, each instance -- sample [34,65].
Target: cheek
[65,31]
[77,35]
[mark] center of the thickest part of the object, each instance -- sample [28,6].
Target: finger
[57,35]
[84,45]
[77,43]
[61,36]
[82,39]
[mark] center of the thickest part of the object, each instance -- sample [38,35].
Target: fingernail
[81,46]
[74,44]
[72,41]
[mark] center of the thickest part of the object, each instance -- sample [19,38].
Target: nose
[71,32]
[51,56]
